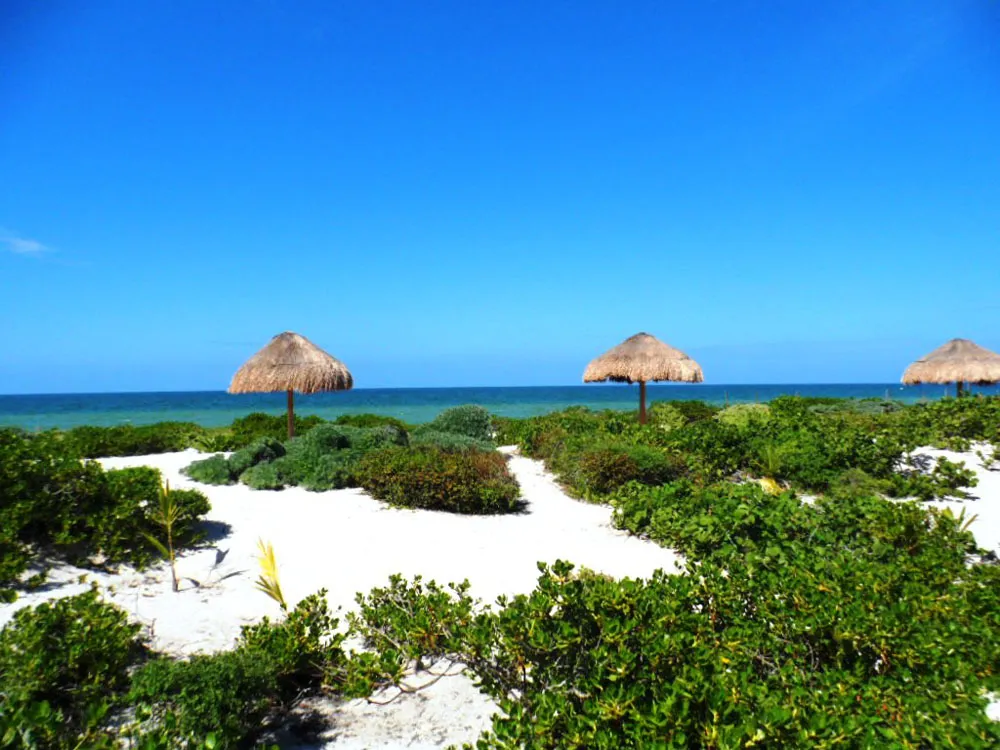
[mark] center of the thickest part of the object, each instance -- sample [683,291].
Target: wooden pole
[958,389]
[291,414]
[642,402]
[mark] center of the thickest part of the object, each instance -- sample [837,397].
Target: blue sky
[486,193]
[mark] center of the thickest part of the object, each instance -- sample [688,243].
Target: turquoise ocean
[415,405]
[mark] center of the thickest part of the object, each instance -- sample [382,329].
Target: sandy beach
[346,542]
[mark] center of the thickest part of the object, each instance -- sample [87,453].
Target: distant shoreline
[414,405]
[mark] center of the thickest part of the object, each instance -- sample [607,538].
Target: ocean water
[415,405]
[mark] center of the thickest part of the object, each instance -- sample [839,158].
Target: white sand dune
[346,542]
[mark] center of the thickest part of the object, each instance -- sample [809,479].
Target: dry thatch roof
[643,358]
[960,360]
[291,362]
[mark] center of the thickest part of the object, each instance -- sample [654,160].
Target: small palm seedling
[166,514]
[268,581]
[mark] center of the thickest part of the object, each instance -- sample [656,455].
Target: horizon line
[663,384]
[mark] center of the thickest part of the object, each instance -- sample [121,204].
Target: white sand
[346,542]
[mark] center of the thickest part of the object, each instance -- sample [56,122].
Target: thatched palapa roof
[960,360]
[291,362]
[643,358]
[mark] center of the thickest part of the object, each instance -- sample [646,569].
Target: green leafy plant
[234,696]
[63,667]
[469,420]
[424,477]
[166,515]
[212,470]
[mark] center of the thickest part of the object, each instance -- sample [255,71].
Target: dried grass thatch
[643,359]
[958,361]
[291,362]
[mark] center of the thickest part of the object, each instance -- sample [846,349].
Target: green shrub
[259,451]
[742,416]
[666,416]
[211,470]
[604,470]
[371,420]
[63,665]
[468,482]
[333,472]
[236,694]
[120,531]
[448,441]
[132,440]
[57,505]
[257,425]
[264,477]
[471,421]
[946,479]
[693,411]
[808,653]
[324,459]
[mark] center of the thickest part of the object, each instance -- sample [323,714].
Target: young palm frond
[268,581]
[166,515]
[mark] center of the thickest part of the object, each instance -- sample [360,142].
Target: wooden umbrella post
[642,402]
[291,414]
[958,389]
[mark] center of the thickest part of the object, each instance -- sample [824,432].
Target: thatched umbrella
[291,362]
[959,361]
[641,359]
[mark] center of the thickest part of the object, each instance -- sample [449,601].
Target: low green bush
[666,416]
[469,420]
[132,440]
[259,451]
[604,469]
[466,482]
[864,627]
[246,430]
[56,505]
[264,477]
[371,420]
[742,416]
[693,411]
[946,479]
[236,694]
[211,470]
[447,441]
[333,471]
[63,667]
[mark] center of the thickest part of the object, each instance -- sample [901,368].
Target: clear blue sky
[492,193]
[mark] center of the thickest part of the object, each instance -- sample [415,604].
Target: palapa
[959,361]
[642,359]
[290,363]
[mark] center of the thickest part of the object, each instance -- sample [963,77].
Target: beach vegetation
[212,470]
[346,453]
[372,420]
[237,695]
[469,420]
[805,443]
[474,482]
[268,581]
[448,441]
[257,425]
[58,507]
[856,621]
[131,440]
[166,515]
[64,667]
